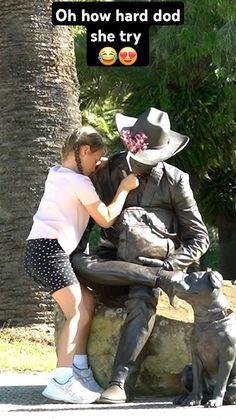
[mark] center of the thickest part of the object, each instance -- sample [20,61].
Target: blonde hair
[85,135]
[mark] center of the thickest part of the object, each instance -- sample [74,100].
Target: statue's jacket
[167,188]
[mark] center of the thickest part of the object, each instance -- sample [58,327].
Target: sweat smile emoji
[127,56]
[107,56]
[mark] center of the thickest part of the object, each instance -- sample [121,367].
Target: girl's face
[90,159]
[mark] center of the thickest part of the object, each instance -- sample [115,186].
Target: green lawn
[22,350]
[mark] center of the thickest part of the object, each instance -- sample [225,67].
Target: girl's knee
[73,313]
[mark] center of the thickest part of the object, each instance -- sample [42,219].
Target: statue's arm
[194,239]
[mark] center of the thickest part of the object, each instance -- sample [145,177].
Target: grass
[27,349]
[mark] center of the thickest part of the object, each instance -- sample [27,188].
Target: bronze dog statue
[212,377]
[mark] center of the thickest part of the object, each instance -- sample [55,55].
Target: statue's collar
[157,172]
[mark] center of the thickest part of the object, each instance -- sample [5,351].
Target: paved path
[20,397]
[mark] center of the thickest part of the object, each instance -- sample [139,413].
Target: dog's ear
[215,279]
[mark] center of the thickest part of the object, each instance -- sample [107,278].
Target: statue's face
[137,167]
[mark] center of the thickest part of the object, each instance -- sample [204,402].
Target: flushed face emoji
[128,56]
[107,56]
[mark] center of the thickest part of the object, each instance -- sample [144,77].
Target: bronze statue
[165,197]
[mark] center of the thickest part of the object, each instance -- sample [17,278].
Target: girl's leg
[87,307]
[47,262]
[68,299]
[82,371]
[64,385]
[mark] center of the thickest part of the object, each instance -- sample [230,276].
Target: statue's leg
[135,332]
[187,381]
[187,377]
[113,272]
[208,387]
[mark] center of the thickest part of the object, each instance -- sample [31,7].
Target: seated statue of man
[163,190]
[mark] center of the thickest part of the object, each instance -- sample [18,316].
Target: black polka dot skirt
[46,262]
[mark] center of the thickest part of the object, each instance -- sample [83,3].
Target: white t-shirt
[61,214]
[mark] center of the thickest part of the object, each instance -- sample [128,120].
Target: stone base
[168,349]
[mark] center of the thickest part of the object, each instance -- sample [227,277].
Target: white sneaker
[71,392]
[86,378]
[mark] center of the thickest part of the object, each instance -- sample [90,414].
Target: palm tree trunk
[39,95]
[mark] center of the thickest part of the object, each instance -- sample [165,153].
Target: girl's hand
[130,182]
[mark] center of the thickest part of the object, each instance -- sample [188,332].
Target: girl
[69,200]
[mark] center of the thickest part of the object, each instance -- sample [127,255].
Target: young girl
[69,200]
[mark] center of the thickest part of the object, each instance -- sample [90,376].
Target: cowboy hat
[149,138]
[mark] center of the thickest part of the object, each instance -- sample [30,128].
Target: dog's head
[197,283]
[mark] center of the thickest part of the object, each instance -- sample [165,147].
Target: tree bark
[39,95]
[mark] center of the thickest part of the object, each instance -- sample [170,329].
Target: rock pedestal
[168,349]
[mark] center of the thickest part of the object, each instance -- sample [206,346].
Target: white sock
[62,374]
[80,361]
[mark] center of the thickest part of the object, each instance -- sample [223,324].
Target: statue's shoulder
[173,174]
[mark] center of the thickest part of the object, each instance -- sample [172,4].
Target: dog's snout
[181,286]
